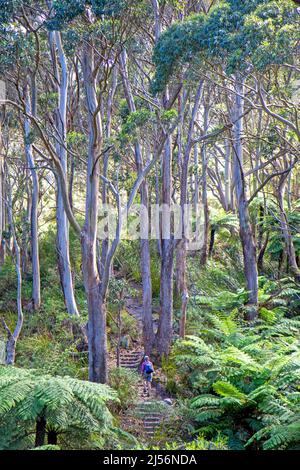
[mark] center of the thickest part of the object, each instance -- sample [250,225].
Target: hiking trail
[150,410]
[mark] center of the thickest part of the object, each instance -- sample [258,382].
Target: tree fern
[245,383]
[66,405]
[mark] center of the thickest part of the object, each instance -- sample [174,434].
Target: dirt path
[151,410]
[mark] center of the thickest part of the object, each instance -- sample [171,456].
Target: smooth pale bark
[196,186]
[30,100]
[157,17]
[111,96]
[25,252]
[157,199]
[204,248]
[285,229]
[97,340]
[62,238]
[13,336]
[148,331]
[246,236]
[181,254]
[227,176]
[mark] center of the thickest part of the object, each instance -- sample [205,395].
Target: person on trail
[147,371]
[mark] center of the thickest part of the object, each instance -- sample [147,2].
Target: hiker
[147,371]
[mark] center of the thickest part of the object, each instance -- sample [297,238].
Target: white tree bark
[62,239]
[36,281]
[12,337]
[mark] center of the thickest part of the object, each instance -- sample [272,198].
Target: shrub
[125,382]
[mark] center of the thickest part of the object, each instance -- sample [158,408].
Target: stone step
[132,363]
[145,417]
[128,361]
[128,366]
[131,353]
[154,420]
[131,358]
[151,426]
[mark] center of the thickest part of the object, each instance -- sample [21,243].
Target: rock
[168,401]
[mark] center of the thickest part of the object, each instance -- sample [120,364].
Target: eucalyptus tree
[148,332]
[61,73]
[232,37]
[98,59]
[13,334]
[20,62]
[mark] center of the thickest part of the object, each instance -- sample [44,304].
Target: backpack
[148,369]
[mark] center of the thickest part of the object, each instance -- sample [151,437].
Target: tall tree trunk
[1,195]
[30,100]
[165,324]
[12,337]
[62,238]
[112,91]
[227,176]
[148,332]
[196,187]
[246,236]
[285,229]
[96,301]
[26,223]
[2,208]
[181,267]
[2,214]
[203,254]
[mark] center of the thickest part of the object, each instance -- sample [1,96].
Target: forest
[149,225]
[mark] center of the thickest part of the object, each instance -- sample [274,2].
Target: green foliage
[67,405]
[128,262]
[135,121]
[244,382]
[67,11]
[47,447]
[256,32]
[125,382]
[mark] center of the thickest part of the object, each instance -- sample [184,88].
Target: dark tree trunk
[40,432]
[211,242]
[52,438]
[260,259]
